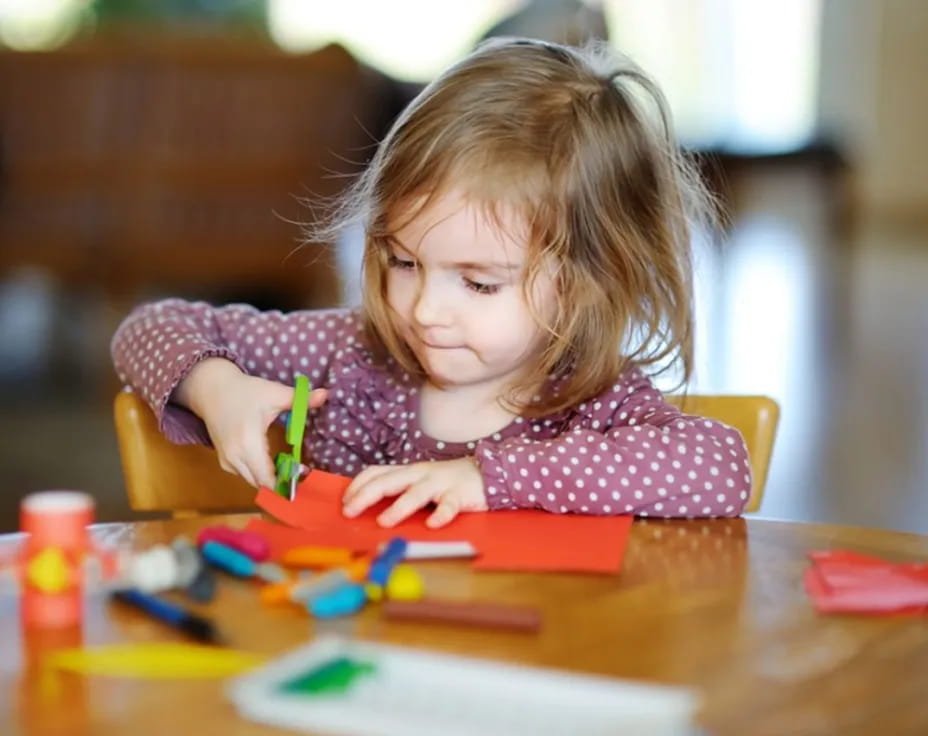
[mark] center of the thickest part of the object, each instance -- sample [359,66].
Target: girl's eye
[481,288]
[395,262]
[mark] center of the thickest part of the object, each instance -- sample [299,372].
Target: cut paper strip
[528,540]
[842,581]
[277,506]
[867,598]
[155,661]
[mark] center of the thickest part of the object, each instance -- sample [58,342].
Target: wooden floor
[832,324]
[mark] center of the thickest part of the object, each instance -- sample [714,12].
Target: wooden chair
[187,480]
[183,479]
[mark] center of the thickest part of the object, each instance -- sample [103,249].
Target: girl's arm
[625,452]
[158,345]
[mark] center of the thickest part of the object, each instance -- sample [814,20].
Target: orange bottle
[52,558]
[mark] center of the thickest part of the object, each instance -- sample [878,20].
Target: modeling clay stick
[466,613]
[316,557]
[248,543]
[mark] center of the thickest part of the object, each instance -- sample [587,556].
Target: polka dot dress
[626,451]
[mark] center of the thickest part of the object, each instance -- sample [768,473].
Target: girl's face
[455,288]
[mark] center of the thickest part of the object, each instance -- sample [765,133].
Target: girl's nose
[431,306]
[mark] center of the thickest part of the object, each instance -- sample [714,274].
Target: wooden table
[715,605]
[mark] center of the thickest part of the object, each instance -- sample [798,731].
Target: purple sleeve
[624,452]
[157,344]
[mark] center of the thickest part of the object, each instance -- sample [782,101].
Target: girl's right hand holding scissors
[237,410]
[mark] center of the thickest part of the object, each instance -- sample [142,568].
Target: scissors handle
[287,464]
[296,422]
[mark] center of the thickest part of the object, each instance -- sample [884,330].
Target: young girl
[526,266]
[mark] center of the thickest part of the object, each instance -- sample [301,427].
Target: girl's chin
[443,375]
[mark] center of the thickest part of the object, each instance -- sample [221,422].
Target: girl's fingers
[390,483]
[264,471]
[317,397]
[253,462]
[244,471]
[256,457]
[280,399]
[446,510]
[365,476]
[415,497]
[273,397]
[370,472]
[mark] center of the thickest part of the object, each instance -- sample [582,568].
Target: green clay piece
[335,676]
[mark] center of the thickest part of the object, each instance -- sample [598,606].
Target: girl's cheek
[395,291]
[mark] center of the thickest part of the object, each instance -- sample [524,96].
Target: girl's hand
[237,410]
[454,485]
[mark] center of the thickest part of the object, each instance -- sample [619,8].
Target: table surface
[715,605]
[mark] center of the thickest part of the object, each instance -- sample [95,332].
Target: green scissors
[288,465]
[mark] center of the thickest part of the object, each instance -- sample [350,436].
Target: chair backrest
[187,479]
[183,479]
[756,417]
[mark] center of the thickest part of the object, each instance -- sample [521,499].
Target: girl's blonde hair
[580,143]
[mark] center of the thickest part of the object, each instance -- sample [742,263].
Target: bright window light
[740,74]
[768,297]
[408,39]
[38,24]
[774,63]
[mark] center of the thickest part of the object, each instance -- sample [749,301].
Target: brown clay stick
[465,612]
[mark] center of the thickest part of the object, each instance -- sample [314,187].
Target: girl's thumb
[281,398]
[317,397]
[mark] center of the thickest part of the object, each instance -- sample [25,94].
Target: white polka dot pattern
[625,451]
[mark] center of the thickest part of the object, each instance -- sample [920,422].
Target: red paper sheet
[526,540]
[842,581]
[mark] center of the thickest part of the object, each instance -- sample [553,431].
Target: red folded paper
[841,581]
[506,540]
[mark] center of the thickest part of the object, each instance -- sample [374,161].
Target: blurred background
[166,147]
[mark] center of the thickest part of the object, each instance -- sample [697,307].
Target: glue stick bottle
[52,558]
